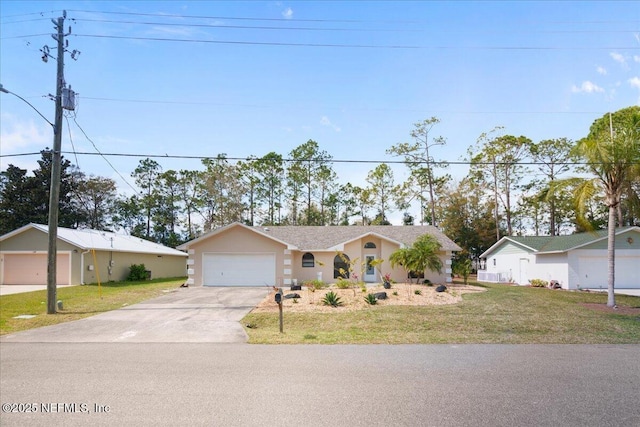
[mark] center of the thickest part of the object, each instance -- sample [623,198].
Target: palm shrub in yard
[332,299]
[371,299]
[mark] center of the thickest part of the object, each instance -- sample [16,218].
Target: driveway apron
[195,314]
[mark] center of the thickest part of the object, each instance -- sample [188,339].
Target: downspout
[82,266]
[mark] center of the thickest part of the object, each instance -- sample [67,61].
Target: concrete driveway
[195,314]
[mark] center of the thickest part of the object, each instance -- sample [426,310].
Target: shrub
[137,272]
[332,299]
[371,299]
[417,292]
[314,284]
[395,293]
[343,284]
[427,282]
[538,283]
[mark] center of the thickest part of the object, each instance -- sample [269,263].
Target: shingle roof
[547,244]
[86,239]
[327,238]
[330,238]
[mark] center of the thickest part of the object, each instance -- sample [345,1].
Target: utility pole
[54,193]
[64,98]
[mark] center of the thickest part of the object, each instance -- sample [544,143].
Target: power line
[219,104]
[290,160]
[52,12]
[236,18]
[353,46]
[381,30]
[101,155]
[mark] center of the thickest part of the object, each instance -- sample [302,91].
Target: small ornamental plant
[538,283]
[332,299]
[371,299]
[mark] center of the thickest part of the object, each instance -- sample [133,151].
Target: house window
[308,260]
[341,266]
[369,245]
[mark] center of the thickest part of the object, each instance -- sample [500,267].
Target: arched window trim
[370,245]
[338,263]
[308,260]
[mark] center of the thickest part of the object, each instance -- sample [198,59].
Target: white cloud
[587,87]
[324,121]
[287,13]
[636,58]
[634,82]
[17,135]
[618,57]
[601,70]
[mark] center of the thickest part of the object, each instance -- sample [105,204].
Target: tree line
[514,186]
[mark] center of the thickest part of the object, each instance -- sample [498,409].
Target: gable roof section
[87,239]
[331,238]
[219,230]
[528,243]
[555,244]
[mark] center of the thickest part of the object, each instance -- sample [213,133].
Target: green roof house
[577,261]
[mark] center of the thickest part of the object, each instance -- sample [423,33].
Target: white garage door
[594,270]
[239,269]
[31,269]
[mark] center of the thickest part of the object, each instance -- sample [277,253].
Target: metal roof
[87,239]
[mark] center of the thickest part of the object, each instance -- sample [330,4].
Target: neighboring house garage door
[594,270]
[31,269]
[239,269]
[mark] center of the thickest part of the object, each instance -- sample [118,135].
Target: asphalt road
[204,384]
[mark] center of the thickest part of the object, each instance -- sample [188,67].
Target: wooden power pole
[56,158]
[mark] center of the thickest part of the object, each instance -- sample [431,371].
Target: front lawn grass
[78,302]
[502,314]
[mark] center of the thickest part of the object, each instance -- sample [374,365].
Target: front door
[370,269]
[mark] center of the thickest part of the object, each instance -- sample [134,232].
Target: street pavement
[194,314]
[161,384]
[181,359]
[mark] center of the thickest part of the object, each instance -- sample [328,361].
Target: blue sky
[247,78]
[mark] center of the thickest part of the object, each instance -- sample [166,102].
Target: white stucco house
[577,261]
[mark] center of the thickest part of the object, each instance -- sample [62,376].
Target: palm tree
[401,257]
[421,256]
[611,152]
[426,250]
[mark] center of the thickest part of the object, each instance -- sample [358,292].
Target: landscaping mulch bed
[353,299]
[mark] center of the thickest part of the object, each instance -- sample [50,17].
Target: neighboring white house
[83,256]
[575,261]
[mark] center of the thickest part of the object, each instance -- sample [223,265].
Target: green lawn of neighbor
[78,302]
